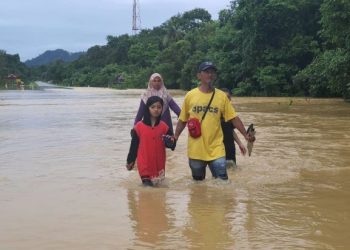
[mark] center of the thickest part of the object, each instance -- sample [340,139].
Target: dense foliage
[11,64]
[261,47]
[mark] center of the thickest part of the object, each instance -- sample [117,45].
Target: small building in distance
[13,80]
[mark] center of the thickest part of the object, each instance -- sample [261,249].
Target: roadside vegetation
[261,47]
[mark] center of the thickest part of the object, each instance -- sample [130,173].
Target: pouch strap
[211,99]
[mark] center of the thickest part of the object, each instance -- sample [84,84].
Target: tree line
[261,48]
[11,64]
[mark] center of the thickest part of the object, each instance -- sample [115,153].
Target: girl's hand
[130,165]
[169,141]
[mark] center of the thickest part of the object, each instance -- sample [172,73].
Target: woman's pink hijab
[162,92]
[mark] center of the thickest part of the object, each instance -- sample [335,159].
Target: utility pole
[136,18]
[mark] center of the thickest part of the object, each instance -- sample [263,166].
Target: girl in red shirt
[149,139]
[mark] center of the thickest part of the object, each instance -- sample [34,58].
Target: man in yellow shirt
[208,149]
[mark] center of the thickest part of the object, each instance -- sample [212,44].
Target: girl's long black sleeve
[134,145]
[168,143]
[170,132]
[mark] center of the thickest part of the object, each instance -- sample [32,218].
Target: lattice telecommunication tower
[136,18]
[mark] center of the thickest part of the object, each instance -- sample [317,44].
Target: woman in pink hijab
[156,88]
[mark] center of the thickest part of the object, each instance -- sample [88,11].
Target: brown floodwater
[63,182]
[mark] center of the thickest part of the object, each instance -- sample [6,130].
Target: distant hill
[50,56]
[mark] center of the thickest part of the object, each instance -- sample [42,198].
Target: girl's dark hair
[147,116]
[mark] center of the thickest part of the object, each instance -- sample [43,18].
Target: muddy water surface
[63,183]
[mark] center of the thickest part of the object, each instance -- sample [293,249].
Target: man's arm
[179,128]
[239,143]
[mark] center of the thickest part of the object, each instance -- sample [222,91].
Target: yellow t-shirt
[209,146]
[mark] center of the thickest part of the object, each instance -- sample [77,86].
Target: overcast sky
[30,27]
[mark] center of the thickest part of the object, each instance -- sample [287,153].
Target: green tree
[335,23]
[328,75]
[171,60]
[179,25]
[143,54]
[11,64]
[270,37]
[117,49]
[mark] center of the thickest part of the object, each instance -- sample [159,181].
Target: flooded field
[63,182]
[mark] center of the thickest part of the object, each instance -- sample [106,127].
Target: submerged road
[45,85]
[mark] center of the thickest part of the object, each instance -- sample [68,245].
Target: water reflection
[150,217]
[209,225]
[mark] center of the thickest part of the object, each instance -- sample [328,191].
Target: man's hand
[250,137]
[250,133]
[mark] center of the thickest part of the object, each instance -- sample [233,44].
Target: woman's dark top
[229,141]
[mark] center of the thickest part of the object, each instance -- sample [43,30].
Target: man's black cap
[206,65]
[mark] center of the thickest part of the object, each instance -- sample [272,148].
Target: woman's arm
[140,112]
[174,107]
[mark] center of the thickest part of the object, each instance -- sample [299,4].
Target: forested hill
[51,56]
[261,48]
